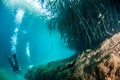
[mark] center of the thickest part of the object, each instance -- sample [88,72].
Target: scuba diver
[14,65]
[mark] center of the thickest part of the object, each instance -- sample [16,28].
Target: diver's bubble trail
[18,20]
[19,16]
[14,43]
[28,50]
[28,54]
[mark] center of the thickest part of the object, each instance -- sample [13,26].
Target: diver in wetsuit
[14,65]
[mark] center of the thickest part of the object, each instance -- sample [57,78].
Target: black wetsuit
[14,65]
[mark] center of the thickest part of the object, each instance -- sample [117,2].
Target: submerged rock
[102,63]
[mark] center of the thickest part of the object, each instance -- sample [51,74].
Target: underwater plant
[84,24]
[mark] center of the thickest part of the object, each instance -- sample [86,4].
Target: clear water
[23,30]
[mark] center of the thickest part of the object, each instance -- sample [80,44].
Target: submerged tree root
[102,63]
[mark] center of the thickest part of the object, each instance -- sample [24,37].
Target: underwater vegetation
[102,63]
[84,23]
[86,26]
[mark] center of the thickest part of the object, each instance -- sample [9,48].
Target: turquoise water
[24,30]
